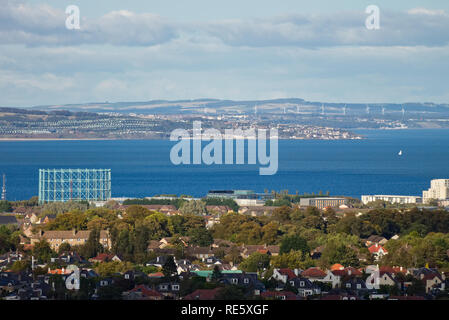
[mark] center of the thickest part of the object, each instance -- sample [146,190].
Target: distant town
[74,241]
[294,118]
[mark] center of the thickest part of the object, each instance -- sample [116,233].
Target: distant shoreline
[141,139]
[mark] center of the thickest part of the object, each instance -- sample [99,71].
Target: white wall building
[392,199]
[439,190]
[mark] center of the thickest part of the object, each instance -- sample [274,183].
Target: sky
[242,50]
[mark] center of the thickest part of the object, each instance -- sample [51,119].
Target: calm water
[143,168]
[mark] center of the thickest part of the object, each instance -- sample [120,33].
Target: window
[302,283]
[175,287]
[348,285]
[359,286]
[246,280]
[234,281]
[126,276]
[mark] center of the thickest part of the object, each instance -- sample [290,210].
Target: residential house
[247,250]
[433,281]
[105,257]
[169,290]
[72,237]
[158,262]
[199,252]
[377,251]
[314,274]
[376,280]
[375,239]
[248,280]
[354,285]
[141,292]
[284,274]
[305,287]
[257,211]
[279,295]
[203,294]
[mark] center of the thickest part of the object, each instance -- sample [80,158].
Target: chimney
[41,233]
[74,232]
[349,272]
[422,276]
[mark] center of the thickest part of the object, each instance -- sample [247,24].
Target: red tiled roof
[313,273]
[102,257]
[287,272]
[375,248]
[146,292]
[156,275]
[431,276]
[202,294]
[59,271]
[337,266]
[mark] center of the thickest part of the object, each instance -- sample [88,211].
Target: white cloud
[43,25]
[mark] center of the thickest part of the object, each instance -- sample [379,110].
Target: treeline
[180,202]
[387,222]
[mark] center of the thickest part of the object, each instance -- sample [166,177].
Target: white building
[392,199]
[439,190]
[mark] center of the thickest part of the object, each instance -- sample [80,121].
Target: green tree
[64,247]
[282,214]
[201,237]
[216,274]
[255,262]
[231,292]
[295,243]
[169,268]
[92,247]
[195,207]
[42,251]
[5,206]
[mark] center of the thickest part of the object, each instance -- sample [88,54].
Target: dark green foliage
[295,243]
[42,251]
[5,206]
[92,247]
[169,267]
[201,237]
[176,202]
[222,202]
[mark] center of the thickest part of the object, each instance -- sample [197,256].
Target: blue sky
[175,49]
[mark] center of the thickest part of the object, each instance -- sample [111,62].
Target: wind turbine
[344,110]
[367,109]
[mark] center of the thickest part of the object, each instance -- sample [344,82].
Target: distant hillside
[244,106]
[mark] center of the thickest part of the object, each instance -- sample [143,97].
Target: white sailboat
[400,153]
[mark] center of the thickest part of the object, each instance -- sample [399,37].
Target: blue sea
[143,168]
